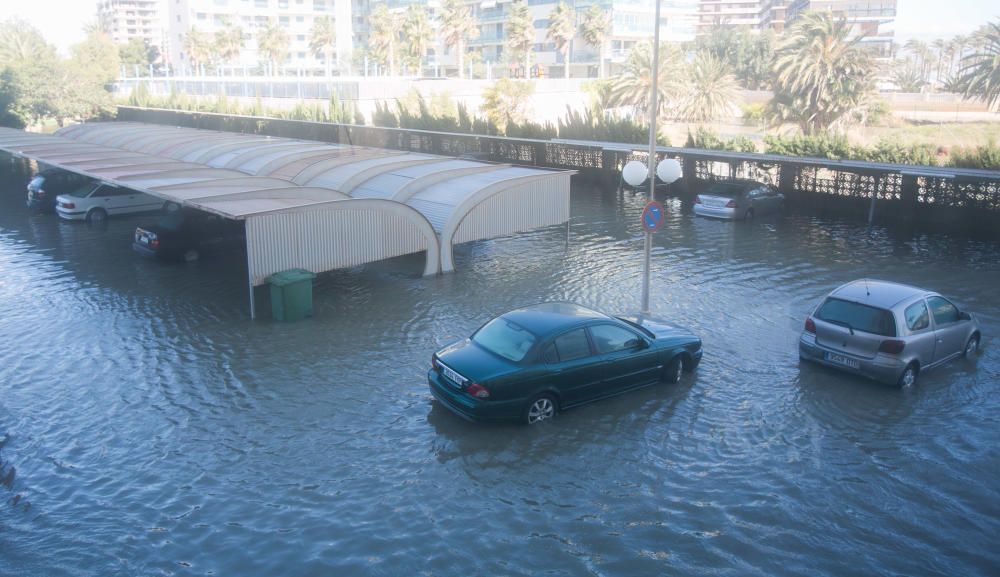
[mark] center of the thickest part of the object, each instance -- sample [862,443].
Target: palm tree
[197,46]
[562,28]
[457,26]
[980,71]
[594,29]
[272,43]
[632,86]
[228,42]
[941,46]
[820,73]
[418,34]
[520,34]
[323,38]
[920,53]
[711,91]
[384,36]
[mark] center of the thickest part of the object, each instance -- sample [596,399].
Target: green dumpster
[291,294]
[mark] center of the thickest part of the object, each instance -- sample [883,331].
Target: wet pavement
[149,427]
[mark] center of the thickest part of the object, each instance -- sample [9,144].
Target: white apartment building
[295,16]
[124,20]
[632,21]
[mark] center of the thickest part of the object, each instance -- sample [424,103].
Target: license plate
[453,376]
[143,240]
[842,360]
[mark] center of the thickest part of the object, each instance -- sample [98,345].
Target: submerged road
[148,427]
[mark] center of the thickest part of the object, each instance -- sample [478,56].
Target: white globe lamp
[668,170]
[635,173]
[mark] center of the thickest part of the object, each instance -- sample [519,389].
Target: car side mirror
[637,344]
[962,315]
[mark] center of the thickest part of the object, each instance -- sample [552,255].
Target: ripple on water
[154,429]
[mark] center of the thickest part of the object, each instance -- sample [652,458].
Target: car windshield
[83,190]
[857,317]
[504,338]
[37,182]
[172,220]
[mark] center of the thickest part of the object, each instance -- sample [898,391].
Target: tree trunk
[566,61]
[461,58]
[328,54]
[600,61]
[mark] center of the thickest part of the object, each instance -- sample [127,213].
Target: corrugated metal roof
[243,176]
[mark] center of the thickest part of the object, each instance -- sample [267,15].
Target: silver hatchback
[887,331]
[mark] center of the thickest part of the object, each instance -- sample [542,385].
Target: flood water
[149,427]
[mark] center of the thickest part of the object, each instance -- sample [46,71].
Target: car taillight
[893,347]
[154,243]
[731,204]
[434,362]
[810,325]
[67,205]
[478,391]
[39,193]
[697,200]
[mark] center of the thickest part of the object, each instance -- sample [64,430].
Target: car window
[572,345]
[609,338]
[944,312]
[83,191]
[916,315]
[857,316]
[550,355]
[505,338]
[37,182]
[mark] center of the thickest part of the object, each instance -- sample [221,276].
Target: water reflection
[155,429]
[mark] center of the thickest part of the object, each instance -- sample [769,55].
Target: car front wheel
[909,376]
[971,347]
[672,372]
[539,409]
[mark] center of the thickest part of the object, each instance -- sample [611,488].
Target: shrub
[985,157]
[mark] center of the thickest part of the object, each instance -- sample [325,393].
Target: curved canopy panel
[326,237]
[347,176]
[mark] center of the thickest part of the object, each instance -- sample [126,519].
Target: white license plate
[453,376]
[842,360]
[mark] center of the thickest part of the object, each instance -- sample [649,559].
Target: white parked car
[738,199]
[96,201]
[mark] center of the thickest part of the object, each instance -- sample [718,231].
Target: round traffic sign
[652,216]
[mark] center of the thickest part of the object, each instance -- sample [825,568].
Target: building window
[300,18]
[319,5]
[260,3]
[203,16]
[282,4]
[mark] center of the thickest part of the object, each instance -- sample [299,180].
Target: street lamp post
[669,170]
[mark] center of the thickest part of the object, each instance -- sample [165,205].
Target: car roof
[878,293]
[544,318]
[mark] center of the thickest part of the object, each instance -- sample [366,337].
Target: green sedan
[531,363]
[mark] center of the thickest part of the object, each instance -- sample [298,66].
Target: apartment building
[295,16]
[632,21]
[867,18]
[124,20]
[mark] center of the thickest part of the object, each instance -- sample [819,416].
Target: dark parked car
[887,331]
[533,362]
[738,199]
[45,186]
[184,234]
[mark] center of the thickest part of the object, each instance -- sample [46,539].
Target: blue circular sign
[652,216]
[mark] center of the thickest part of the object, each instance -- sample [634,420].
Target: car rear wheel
[97,216]
[539,409]
[672,372]
[971,347]
[909,376]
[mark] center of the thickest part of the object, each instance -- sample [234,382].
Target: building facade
[867,19]
[124,20]
[295,17]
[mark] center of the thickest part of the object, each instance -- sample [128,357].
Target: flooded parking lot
[149,427]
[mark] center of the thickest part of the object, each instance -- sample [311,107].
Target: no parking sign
[652,216]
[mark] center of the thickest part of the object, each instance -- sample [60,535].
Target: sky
[62,21]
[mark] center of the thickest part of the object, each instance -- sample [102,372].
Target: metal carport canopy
[294,193]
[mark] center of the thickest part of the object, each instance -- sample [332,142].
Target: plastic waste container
[291,294]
